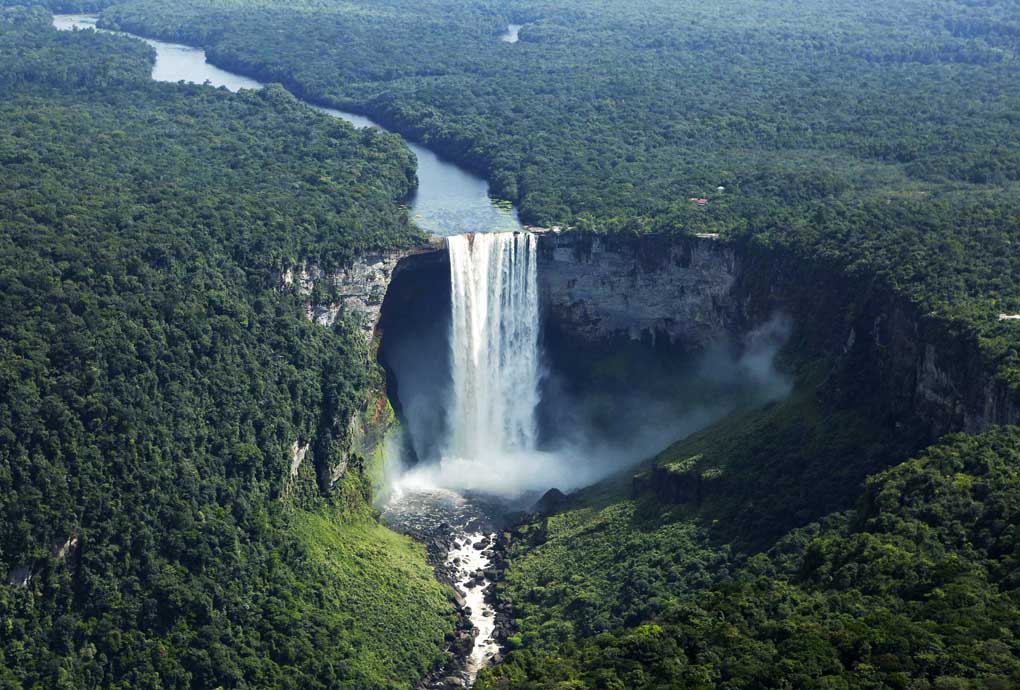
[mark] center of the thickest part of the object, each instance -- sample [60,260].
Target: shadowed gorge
[576,407]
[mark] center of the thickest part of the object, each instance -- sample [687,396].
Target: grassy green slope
[379,584]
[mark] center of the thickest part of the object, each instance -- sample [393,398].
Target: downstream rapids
[461,533]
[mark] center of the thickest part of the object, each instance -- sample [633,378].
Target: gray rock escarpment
[599,287]
[696,290]
[908,365]
[356,291]
[355,294]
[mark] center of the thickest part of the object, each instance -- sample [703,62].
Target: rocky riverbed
[464,540]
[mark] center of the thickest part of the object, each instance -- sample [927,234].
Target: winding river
[457,528]
[449,200]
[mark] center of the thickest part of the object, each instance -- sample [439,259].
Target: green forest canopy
[154,378]
[915,587]
[878,135]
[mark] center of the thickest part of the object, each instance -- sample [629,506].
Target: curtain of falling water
[494,344]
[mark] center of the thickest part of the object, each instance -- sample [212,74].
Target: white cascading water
[493,344]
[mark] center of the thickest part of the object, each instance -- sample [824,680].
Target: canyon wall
[355,294]
[598,287]
[356,291]
[694,291]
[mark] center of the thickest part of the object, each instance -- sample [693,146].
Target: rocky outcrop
[60,551]
[356,291]
[297,455]
[355,294]
[684,481]
[552,501]
[599,287]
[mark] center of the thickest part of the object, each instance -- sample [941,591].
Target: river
[449,200]
[459,529]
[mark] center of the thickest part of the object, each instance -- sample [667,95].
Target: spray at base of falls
[496,366]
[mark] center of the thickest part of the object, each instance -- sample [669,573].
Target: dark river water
[449,199]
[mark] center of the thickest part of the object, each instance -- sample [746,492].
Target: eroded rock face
[297,453]
[696,291]
[357,291]
[599,287]
[355,294]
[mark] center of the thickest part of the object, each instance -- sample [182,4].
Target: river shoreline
[450,198]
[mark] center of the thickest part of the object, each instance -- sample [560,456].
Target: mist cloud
[580,447]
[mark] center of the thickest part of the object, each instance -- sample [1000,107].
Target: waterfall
[493,345]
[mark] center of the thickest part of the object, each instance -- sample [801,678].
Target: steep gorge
[688,293]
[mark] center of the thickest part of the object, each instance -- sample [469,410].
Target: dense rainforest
[154,379]
[881,136]
[916,587]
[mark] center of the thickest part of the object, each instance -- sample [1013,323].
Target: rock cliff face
[357,291]
[599,287]
[695,291]
[909,365]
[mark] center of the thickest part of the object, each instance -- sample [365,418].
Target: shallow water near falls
[459,531]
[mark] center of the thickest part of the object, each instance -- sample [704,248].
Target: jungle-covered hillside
[154,379]
[910,583]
